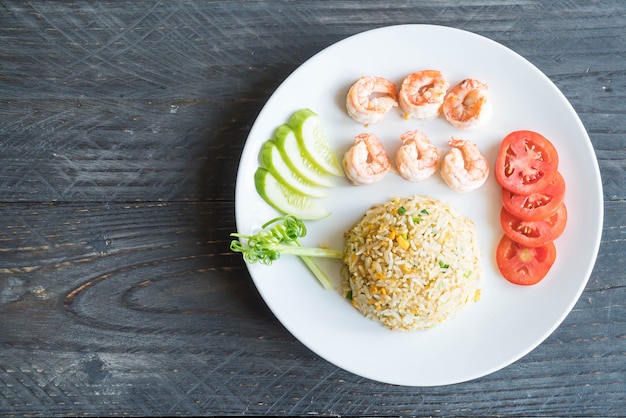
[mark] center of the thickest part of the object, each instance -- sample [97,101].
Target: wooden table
[121,126]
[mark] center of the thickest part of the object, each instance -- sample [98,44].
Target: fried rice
[412,263]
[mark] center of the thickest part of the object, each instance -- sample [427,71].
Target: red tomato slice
[538,205]
[524,265]
[534,233]
[526,162]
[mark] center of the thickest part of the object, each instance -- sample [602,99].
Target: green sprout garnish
[280,236]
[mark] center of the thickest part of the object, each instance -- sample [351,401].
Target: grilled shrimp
[422,93]
[370,98]
[466,106]
[417,158]
[464,168]
[366,161]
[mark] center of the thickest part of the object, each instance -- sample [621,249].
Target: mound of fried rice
[411,263]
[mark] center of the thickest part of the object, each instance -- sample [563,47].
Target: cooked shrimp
[464,168]
[422,94]
[466,106]
[370,98]
[366,161]
[417,158]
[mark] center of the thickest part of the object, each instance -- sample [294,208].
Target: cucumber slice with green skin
[273,161]
[285,199]
[314,142]
[297,160]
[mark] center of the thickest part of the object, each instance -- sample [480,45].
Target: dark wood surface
[121,126]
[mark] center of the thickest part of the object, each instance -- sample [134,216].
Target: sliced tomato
[524,265]
[526,162]
[538,205]
[534,233]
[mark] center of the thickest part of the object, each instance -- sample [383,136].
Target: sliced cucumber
[273,160]
[297,160]
[285,199]
[314,142]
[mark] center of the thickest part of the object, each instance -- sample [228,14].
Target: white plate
[508,321]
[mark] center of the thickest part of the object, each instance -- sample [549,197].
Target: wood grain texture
[121,127]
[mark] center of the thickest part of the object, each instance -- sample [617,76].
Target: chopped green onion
[424,212]
[443,265]
[401,210]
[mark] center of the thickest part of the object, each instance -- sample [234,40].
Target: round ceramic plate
[509,320]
